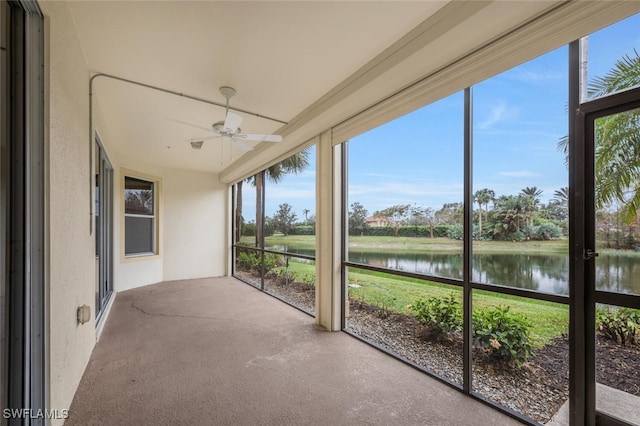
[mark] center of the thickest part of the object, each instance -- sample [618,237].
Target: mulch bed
[537,389]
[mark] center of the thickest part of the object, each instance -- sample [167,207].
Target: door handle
[589,254]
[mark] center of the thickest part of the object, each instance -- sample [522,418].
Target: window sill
[139,257]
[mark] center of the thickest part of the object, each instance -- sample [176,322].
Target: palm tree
[531,200]
[293,164]
[306,212]
[618,141]
[532,192]
[617,152]
[483,197]
[238,211]
[561,195]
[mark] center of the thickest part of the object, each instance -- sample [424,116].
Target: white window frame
[155,217]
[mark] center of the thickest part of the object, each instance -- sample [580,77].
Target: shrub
[249,260]
[620,325]
[302,230]
[546,231]
[252,261]
[248,229]
[503,334]
[456,232]
[384,305]
[280,275]
[379,231]
[441,315]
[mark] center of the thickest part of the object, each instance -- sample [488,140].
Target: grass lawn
[391,292]
[417,245]
[394,293]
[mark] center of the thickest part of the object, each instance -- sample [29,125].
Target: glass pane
[418,320]
[292,280]
[613,58]
[290,204]
[245,212]
[617,159]
[520,177]
[138,196]
[521,353]
[618,362]
[138,235]
[248,265]
[406,189]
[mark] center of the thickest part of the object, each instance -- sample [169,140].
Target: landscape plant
[441,315]
[503,334]
[251,260]
[619,325]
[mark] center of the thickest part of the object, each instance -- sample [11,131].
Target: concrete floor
[219,352]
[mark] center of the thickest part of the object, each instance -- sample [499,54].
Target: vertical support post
[342,159]
[576,151]
[328,232]
[468,241]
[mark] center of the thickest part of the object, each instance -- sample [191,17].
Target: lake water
[538,272]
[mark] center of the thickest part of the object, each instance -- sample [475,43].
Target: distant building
[375,221]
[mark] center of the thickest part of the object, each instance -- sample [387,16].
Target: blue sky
[519,116]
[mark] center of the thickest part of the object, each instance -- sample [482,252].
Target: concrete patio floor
[219,352]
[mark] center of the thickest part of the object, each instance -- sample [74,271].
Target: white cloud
[538,76]
[496,114]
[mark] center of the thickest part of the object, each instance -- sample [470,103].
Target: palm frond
[625,74]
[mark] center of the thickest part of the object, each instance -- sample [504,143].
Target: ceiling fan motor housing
[219,128]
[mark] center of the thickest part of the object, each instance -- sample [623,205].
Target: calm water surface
[538,272]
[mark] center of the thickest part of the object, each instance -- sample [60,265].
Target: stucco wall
[71,263]
[192,227]
[195,225]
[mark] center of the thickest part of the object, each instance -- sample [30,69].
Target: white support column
[328,233]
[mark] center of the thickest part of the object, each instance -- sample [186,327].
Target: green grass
[417,245]
[394,293]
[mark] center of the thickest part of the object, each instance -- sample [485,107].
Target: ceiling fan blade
[232,122]
[261,138]
[241,145]
[208,129]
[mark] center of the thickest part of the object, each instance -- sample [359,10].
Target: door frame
[104,228]
[585,297]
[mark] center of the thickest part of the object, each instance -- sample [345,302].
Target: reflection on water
[538,272]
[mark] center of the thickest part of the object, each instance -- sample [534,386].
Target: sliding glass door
[104,228]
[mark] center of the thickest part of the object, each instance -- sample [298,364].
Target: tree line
[506,217]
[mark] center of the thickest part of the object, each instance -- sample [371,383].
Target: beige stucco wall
[192,227]
[71,264]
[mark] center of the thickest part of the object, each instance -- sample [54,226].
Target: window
[140,217]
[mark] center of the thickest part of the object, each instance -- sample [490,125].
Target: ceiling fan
[229,129]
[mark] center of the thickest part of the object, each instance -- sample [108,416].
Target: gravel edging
[530,390]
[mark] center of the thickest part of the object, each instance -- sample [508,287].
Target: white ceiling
[309,63]
[279,56]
